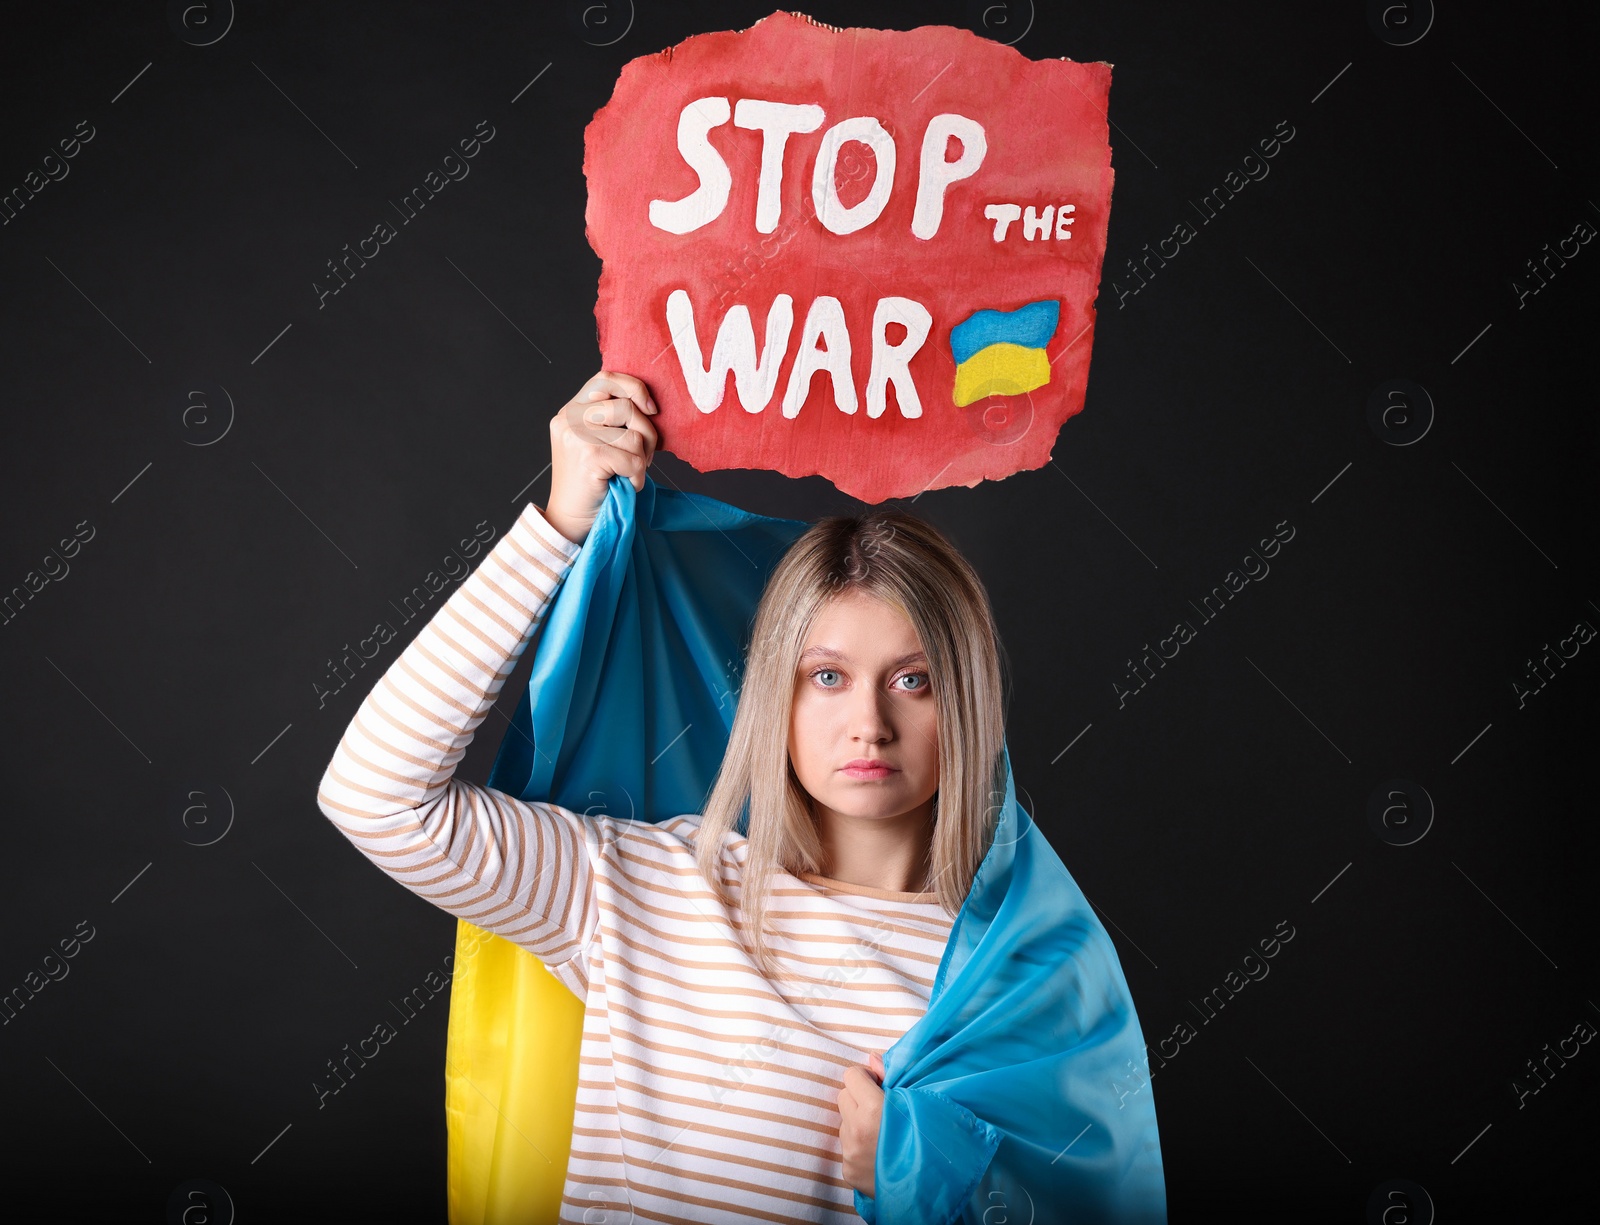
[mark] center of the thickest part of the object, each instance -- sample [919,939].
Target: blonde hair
[910,565]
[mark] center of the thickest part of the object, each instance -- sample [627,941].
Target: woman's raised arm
[524,871]
[521,870]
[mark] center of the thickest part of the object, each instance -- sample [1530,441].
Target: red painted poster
[870,255]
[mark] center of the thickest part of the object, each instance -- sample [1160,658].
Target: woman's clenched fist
[603,431]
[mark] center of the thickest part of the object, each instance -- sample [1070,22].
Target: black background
[179,653]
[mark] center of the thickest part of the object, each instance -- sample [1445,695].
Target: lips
[862,767]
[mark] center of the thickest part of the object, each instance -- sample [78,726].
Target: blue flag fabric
[1024,1085]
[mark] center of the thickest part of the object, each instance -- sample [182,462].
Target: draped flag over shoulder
[1024,1084]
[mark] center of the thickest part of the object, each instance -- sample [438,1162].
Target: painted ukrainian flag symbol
[1001,353]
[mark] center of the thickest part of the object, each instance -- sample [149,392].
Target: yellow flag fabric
[511,1082]
[1000,370]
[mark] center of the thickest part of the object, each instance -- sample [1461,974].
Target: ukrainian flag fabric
[1001,353]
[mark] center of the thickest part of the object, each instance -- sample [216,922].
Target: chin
[881,804]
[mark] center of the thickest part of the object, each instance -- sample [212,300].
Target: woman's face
[863,691]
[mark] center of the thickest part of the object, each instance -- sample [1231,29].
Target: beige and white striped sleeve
[522,870]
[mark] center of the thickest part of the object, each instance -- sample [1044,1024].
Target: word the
[1581,634]
[1254,566]
[53,169]
[455,169]
[1034,223]
[53,568]
[55,969]
[1581,234]
[1133,1081]
[1255,169]
[777,121]
[1577,1039]
[455,566]
[434,982]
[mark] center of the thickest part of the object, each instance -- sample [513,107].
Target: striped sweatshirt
[706,1091]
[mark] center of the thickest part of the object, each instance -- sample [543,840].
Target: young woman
[738,990]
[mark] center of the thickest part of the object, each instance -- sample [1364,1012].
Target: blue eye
[925,680]
[820,671]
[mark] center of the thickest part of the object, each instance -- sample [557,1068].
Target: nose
[869,716]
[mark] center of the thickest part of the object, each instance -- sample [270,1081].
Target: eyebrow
[832,653]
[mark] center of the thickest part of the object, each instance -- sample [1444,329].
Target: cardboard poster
[869,255]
